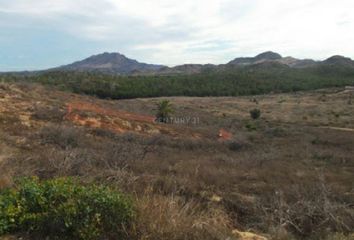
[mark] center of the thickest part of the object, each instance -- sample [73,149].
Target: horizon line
[34,69]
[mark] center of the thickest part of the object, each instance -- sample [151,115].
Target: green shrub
[255,113]
[164,110]
[251,127]
[63,209]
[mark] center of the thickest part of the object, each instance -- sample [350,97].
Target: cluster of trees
[229,82]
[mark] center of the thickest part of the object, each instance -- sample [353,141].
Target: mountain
[275,58]
[339,61]
[185,69]
[297,63]
[266,56]
[111,63]
[266,60]
[118,64]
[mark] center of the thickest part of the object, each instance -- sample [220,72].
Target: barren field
[287,175]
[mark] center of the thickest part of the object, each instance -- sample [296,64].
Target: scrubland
[287,175]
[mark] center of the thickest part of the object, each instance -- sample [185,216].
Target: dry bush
[122,179]
[275,132]
[12,124]
[4,86]
[5,176]
[63,136]
[308,211]
[5,180]
[168,217]
[186,144]
[340,236]
[74,162]
[27,86]
[160,141]
[48,113]
[71,151]
[237,144]
[117,155]
[12,237]
[120,151]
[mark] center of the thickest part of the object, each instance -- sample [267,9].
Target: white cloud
[178,31]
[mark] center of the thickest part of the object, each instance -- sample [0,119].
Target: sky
[39,34]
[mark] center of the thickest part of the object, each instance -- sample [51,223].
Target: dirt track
[339,129]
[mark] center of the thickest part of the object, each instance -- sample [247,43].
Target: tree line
[228,82]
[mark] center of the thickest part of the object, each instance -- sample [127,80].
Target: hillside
[286,175]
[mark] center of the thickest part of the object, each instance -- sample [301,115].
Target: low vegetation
[287,175]
[255,113]
[164,111]
[63,209]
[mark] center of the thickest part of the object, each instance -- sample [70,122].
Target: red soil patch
[82,106]
[224,135]
[91,115]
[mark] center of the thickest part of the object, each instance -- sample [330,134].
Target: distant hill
[297,63]
[339,61]
[111,63]
[267,60]
[184,69]
[118,64]
[268,57]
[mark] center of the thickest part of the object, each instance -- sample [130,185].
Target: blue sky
[38,34]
